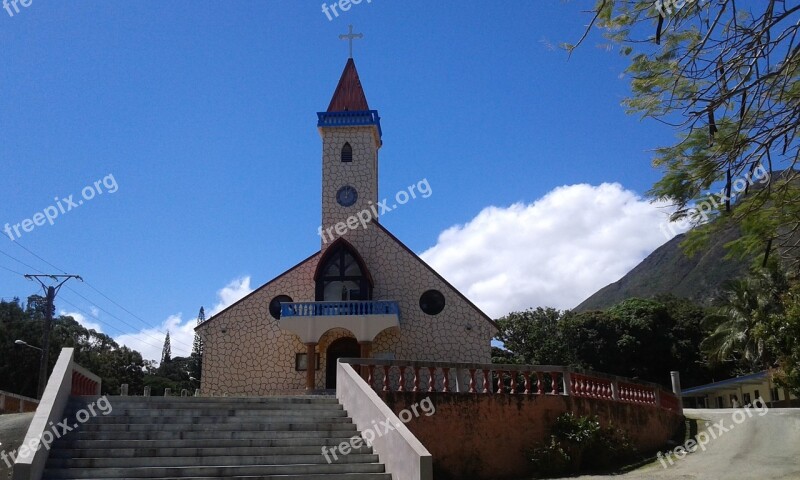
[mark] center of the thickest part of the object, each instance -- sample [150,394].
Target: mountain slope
[669,271]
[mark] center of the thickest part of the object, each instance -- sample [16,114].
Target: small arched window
[347,153]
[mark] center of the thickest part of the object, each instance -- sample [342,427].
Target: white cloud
[554,252]
[81,319]
[149,342]
[230,294]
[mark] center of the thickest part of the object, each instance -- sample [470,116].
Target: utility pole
[50,292]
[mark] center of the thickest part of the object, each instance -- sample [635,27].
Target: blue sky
[204,114]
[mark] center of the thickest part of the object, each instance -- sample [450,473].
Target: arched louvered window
[347,153]
[342,275]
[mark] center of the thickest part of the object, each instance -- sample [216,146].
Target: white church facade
[363,294]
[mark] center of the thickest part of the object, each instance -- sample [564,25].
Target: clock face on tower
[346,196]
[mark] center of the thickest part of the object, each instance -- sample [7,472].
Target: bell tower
[351,138]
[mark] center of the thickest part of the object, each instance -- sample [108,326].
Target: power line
[92,317]
[88,315]
[50,293]
[123,308]
[37,256]
[12,271]
[145,323]
[21,262]
[117,318]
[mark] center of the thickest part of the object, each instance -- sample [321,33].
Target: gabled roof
[349,95]
[424,264]
[256,291]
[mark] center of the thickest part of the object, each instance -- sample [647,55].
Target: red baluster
[471,380]
[527,376]
[432,379]
[386,378]
[554,385]
[539,383]
[370,375]
[513,382]
[416,378]
[486,381]
[402,386]
[446,382]
[500,385]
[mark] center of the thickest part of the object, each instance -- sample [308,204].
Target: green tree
[726,76]
[784,334]
[532,337]
[166,352]
[196,363]
[640,338]
[94,350]
[742,326]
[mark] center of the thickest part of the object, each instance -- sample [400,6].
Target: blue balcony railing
[315,309]
[346,119]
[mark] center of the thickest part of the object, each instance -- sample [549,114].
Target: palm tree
[739,326]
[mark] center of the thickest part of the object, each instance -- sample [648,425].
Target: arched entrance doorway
[342,348]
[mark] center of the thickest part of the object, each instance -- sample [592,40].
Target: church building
[363,294]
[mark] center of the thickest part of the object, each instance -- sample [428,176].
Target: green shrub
[579,444]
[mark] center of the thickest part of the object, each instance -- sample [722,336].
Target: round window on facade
[275,305]
[432,302]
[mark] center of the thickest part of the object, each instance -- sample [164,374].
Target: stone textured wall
[361,173]
[483,437]
[247,353]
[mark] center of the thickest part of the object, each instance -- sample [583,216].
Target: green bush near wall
[579,444]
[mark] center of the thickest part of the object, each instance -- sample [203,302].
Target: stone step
[117,400]
[203,410]
[291,440]
[323,476]
[217,438]
[213,471]
[217,460]
[334,417]
[328,425]
[208,451]
[204,407]
[180,435]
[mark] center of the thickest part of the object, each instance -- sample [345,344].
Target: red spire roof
[349,96]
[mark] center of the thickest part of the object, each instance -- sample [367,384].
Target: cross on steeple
[350,37]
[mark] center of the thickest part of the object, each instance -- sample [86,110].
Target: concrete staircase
[210,438]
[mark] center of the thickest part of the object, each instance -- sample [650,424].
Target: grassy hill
[669,270]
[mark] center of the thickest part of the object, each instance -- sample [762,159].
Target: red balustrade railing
[83,385]
[496,379]
[591,387]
